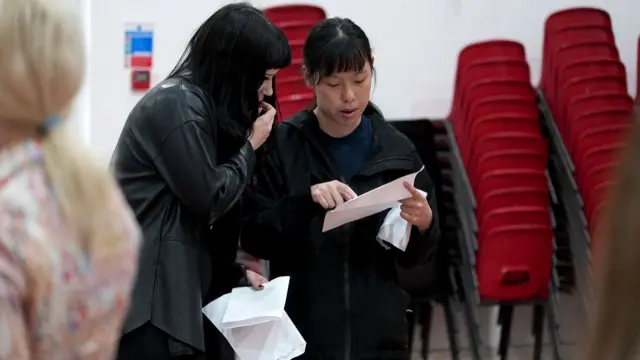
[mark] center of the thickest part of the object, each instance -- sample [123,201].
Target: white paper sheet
[255,323]
[248,306]
[369,203]
[395,230]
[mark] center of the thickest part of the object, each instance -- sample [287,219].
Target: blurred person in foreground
[68,241]
[185,154]
[615,330]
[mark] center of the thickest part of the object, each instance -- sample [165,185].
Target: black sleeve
[422,246]
[275,212]
[187,162]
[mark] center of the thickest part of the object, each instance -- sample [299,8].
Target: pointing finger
[347,192]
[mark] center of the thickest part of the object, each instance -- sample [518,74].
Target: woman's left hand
[256,280]
[416,210]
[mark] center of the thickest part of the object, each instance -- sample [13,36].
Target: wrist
[423,228]
[252,142]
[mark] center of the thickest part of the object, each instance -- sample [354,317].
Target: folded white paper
[255,324]
[395,230]
[369,203]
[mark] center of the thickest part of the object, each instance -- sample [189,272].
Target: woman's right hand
[331,194]
[262,126]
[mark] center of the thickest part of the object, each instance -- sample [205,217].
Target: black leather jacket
[172,171]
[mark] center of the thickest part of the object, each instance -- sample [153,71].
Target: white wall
[416,44]
[79,119]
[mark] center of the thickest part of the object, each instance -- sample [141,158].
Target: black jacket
[344,295]
[182,185]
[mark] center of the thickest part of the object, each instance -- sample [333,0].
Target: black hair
[335,45]
[227,57]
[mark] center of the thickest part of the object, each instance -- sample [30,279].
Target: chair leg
[505,319]
[472,329]
[425,315]
[452,329]
[538,330]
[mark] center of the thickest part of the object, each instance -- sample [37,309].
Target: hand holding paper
[369,203]
[395,230]
[331,194]
[416,210]
[255,323]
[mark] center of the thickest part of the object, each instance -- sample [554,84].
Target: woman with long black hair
[184,157]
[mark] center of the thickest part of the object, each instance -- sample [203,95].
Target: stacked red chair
[585,84]
[295,21]
[496,124]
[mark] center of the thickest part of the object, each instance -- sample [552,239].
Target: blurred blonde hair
[41,69]
[615,329]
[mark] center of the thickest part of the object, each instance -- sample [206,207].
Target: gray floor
[521,338]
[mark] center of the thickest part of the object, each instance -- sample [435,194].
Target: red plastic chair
[612,133]
[590,158]
[491,49]
[581,105]
[510,178]
[494,124]
[568,56]
[576,97]
[576,17]
[290,105]
[503,140]
[582,67]
[496,88]
[573,37]
[515,104]
[297,47]
[564,20]
[588,84]
[296,31]
[287,13]
[515,215]
[596,176]
[598,118]
[292,86]
[499,89]
[514,262]
[513,197]
[291,73]
[495,106]
[507,159]
[490,71]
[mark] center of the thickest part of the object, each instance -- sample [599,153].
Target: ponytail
[83,189]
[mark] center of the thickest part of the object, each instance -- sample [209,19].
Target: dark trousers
[150,343]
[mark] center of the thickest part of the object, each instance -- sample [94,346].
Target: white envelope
[255,324]
[369,203]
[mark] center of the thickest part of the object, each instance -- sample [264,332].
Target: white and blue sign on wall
[138,45]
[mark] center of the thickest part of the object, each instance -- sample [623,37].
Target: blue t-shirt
[351,152]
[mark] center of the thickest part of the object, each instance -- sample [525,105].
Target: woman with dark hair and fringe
[344,295]
[184,157]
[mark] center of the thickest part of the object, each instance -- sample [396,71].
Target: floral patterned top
[56,301]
